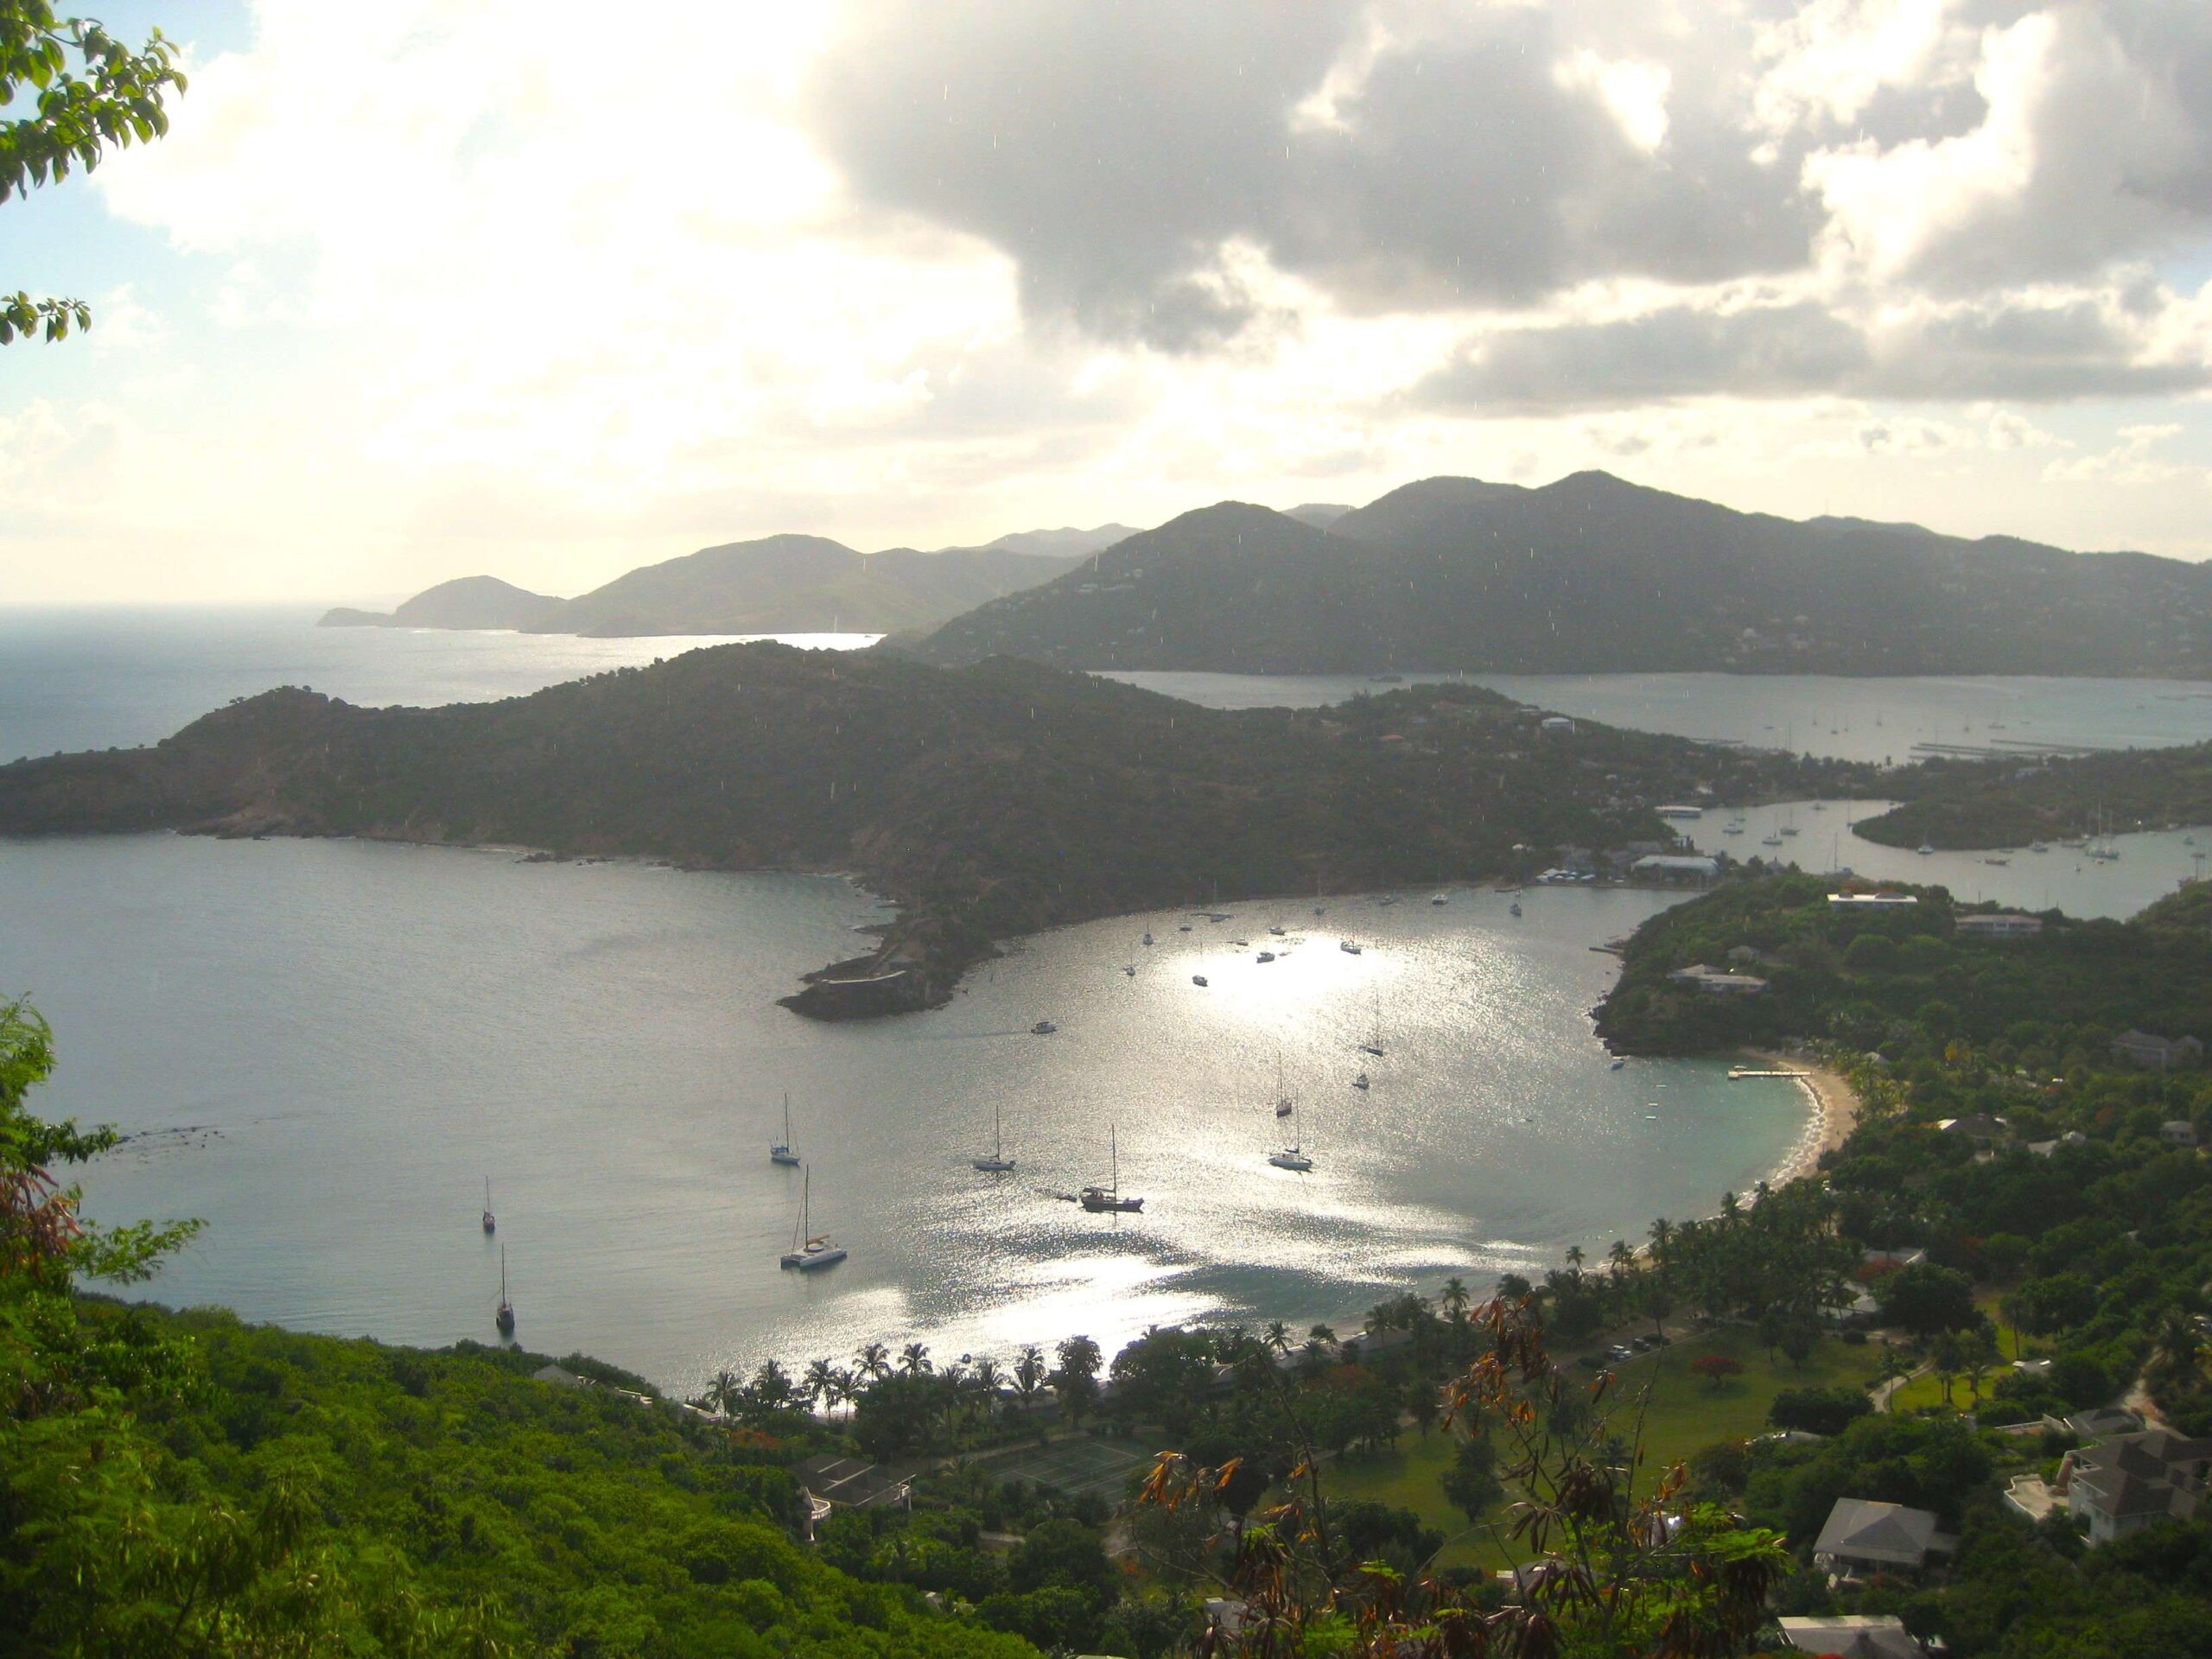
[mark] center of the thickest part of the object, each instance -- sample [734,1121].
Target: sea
[323,1050]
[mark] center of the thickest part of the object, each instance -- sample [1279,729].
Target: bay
[1873,720]
[323,1048]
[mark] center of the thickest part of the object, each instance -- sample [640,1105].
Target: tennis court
[1079,1465]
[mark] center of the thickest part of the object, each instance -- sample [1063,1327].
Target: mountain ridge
[1594,574]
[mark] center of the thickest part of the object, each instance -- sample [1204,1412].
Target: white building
[2003,925]
[1871,901]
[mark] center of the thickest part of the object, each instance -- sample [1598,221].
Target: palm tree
[1575,1258]
[987,1379]
[820,1383]
[2177,1350]
[1456,1300]
[1620,1258]
[1029,1369]
[914,1359]
[724,1392]
[874,1362]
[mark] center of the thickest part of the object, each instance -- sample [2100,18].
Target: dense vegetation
[992,800]
[2007,803]
[1871,979]
[1592,574]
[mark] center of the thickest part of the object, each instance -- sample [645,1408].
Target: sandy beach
[1835,1109]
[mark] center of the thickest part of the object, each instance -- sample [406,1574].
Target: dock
[1738,1073]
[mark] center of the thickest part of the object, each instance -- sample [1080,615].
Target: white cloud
[2129,462]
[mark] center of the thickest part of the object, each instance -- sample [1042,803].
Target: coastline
[1835,1111]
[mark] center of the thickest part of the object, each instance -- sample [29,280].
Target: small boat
[1184,929]
[1388,899]
[809,1250]
[1130,968]
[1284,1109]
[1925,848]
[1265,956]
[1439,898]
[1821,807]
[1043,1028]
[1374,1044]
[1320,909]
[1731,829]
[1147,938]
[1347,947]
[2039,846]
[1198,979]
[504,1320]
[1514,908]
[1276,931]
[1290,1157]
[1997,861]
[781,1152]
[1617,1064]
[1108,1199]
[1769,841]
[491,1224]
[998,1163]
[1360,1082]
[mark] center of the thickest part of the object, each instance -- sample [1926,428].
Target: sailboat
[781,1152]
[1108,1199]
[1360,1082]
[1283,1107]
[491,1224]
[1147,938]
[1290,1157]
[810,1251]
[1374,1044]
[998,1163]
[505,1318]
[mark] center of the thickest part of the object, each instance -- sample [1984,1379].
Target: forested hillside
[992,800]
[1592,575]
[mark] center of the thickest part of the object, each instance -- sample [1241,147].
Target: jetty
[1738,1073]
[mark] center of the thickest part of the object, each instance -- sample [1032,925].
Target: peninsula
[989,801]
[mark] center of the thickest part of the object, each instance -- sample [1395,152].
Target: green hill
[1592,575]
[991,800]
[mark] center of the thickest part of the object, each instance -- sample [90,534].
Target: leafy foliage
[87,92]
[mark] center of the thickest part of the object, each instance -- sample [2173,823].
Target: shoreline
[1835,1112]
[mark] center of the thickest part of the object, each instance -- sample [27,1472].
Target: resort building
[1718,982]
[2123,1484]
[1871,901]
[1676,865]
[2003,925]
[2157,1053]
[1853,1636]
[1863,1537]
[2177,1132]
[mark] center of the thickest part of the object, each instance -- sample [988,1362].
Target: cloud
[2130,462]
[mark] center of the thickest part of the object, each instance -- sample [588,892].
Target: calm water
[95,678]
[1849,719]
[334,1042]
[327,1046]
[2150,866]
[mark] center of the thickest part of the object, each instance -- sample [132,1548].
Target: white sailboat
[781,1152]
[1108,1199]
[1283,1107]
[810,1251]
[491,1223]
[505,1318]
[998,1163]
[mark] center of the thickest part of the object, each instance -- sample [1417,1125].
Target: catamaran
[781,1152]
[1108,1199]
[998,1163]
[505,1318]
[810,1251]
[490,1224]
[1290,1157]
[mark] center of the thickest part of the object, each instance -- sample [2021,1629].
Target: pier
[1738,1073]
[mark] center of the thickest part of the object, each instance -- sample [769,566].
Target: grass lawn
[1684,1417]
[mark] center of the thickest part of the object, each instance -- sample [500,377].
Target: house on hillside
[2123,1484]
[2157,1053]
[1876,902]
[1853,1635]
[1862,1536]
[2003,925]
[1676,866]
[1977,1126]
[2177,1132]
[1718,982]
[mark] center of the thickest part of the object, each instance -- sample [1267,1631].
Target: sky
[439,286]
